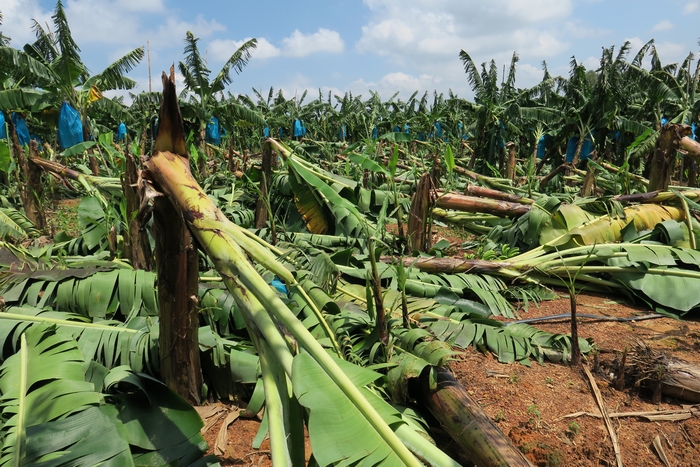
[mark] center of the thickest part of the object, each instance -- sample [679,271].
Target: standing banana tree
[19,74]
[203,104]
[69,79]
[4,40]
[495,108]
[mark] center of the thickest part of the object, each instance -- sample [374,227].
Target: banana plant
[169,170]
[59,408]
[15,225]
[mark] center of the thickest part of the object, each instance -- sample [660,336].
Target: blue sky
[380,45]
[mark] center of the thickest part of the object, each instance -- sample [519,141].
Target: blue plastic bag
[281,132]
[460,127]
[438,129]
[543,144]
[298,131]
[20,128]
[541,148]
[121,131]
[397,129]
[406,128]
[3,132]
[212,134]
[266,132]
[70,128]
[375,133]
[279,285]
[343,132]
[586,148]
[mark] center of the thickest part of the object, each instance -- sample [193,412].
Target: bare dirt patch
[530,404]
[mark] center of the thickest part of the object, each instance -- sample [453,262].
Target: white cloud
[296,85]
[671,52]
[114,27]
[17,20]
[577,30]
[592,63]
[664,25]
[405,83]
[141,6]
[120,22]
[691,7]
[296,45]
[528,73]
[635,44]
[428,34]
[301,45]
[222,49]
[176,28]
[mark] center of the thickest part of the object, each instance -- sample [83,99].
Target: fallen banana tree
[475,190]
[489,206]
[168,170]
[446,399]
[659,275]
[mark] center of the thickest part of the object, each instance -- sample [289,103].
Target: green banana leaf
[608,229]
[323,208]
[111,343]
[339,434]
[54,414]
[44,382]
[97,292]
[15,225]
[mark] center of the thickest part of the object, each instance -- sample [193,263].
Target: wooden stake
[606,417]
[148,48]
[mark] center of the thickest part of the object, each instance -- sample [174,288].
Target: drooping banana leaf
[339,434]
[488,290]
[608,229]
[93,222]
[97,292]
[460,323]
[14,224]
[54,413]
[111,343]
[313,196]
[664,276]
[160,426]
[42,385]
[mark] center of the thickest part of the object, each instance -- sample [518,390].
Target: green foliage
[348,193]
[54,409]
[330,415]
[15,225]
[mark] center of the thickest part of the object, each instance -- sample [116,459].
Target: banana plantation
[291,256]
